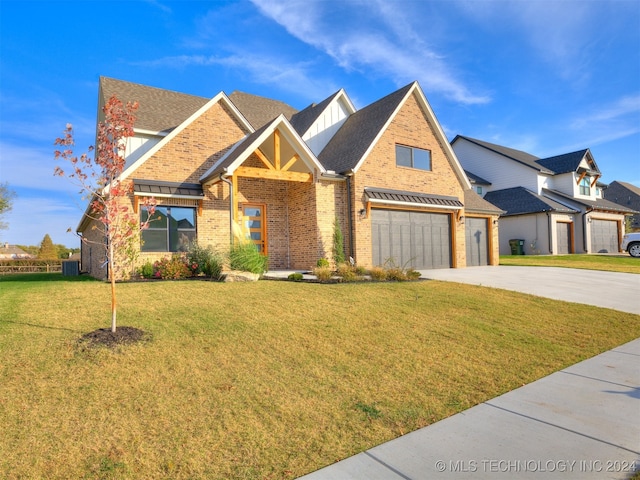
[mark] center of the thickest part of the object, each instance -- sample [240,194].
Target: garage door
[476,241]
[563,234]
[604,236]
[417,239]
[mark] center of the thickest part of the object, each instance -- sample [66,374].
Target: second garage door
[477,241]
[418,239]
[604,236]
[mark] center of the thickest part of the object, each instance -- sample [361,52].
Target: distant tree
[100,183]
[30,249]
[6,202]
[47,250]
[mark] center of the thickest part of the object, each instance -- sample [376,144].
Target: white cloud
[385,43]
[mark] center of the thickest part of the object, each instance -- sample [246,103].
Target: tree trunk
[112,278]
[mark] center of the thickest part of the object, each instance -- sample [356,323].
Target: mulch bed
[106,338]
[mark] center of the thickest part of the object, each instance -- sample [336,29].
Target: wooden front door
[255,222]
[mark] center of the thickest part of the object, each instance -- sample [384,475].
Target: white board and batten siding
[140,144]
[500,171]
[326,126]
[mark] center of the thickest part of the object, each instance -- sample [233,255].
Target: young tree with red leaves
[100,183]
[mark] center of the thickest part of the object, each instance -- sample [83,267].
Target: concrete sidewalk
[581,422]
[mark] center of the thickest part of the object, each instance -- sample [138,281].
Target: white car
[631,243]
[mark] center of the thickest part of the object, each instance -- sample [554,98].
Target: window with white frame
[585,187]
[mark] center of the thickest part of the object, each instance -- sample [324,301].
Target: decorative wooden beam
[252,172]
[263,158]
[200,202]
[276,148]
[136,204]
[290,163]
[234,185]
[582,175]
[595,179]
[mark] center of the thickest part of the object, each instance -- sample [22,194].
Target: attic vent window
[413,157]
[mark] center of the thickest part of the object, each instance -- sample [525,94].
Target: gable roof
[260,110]
[568,162]
[511,153]
[350,146]
[245,147]
[521,201]
[600,204]
[219,98]
[354,139]
[159,110]
[303,119]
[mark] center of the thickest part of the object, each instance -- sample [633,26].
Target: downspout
[349,174]
[228,182]
[549,222]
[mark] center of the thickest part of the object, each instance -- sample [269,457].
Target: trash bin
[517,246]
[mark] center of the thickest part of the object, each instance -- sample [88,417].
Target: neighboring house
[628,196]
[386,172]
[12,252]
[554,204]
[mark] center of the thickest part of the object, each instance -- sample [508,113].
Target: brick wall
[410,127]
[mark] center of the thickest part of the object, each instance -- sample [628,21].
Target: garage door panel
[604,236]
[418,239]
[477,241]
[563,237]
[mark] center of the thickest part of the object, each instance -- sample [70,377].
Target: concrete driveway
[618,291]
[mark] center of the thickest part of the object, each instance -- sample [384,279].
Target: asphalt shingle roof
[520,201]
[475,203]
[475,179]
[260,110]
[513,154]
[598,204]
[565,163]
[350,143]
[159,110]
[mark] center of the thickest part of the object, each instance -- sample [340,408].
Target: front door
[255,223]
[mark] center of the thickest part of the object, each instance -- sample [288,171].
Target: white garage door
[476,241]
[418,239]
[604,236]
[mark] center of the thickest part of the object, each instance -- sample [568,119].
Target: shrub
[323,274]
[348,273]
[295,277]
[322,262]
[396,274]
[245,256]
[412,274]
[146,270]
[378,274]
[171,268]
[206,261]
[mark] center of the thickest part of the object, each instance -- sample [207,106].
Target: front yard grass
[263,380]
[610,263]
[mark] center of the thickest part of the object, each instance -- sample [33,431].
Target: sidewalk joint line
[626,353]
[386,465]
[564,428]
[598,379]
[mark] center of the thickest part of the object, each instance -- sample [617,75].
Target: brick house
[386,172]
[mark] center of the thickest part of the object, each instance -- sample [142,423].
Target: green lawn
[622,263]
[262,380]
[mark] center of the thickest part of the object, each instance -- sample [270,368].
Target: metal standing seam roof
[412,197]
[152,187]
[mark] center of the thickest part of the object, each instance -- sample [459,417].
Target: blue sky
[547,77]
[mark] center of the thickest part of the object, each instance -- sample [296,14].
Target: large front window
[171,229]
[585,187]
[413,157]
